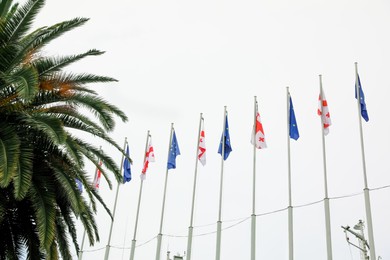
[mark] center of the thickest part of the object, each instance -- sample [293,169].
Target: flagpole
[82,246]
[107,253]
[253,216]
[326,199]
[290,209]
[133,242]
[366,190]
[159,236]
[83,240]
[190,228]
[219,223]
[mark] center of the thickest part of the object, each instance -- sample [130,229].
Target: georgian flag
[323,111]
[98,175]
[258,138]
[149,157]
[202,148]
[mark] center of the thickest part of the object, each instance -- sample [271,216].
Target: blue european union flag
[173,152]
[127,167]
[363,107]
[79,185]
[294,133]
[227,145]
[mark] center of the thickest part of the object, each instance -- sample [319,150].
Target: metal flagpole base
[219,229]
[369,223]
[290,234]
[190,229]
[158,252]
[107,252]
[328,229]
[253,238]
[80,255]
[133,242]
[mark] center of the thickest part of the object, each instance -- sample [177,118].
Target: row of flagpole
[258,141]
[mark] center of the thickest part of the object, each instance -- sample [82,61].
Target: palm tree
[40,155]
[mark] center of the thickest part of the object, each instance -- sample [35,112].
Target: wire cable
[242,220]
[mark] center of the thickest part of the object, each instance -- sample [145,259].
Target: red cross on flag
[258,138]
[149,157]
[202,147]
[98,175]
[323,111]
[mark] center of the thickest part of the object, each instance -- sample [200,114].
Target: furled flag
[127,167]
[363,107]
[202,147]
[149,157]
[294,133]
[173,152]
[225,136]
[258,138]
[323,111]
[79,185]
[98,175]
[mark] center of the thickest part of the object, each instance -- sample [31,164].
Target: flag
[98,175]
[79,185]
[126,167]
[227,145]
[173,152]
[149,157]
[363,107]
[323,111]
[202,147]
[258,138]
[294,133]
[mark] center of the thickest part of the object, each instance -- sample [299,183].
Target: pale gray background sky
[175,59]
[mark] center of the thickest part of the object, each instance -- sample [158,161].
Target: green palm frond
[9,101]
[48,100]
[89,223]
[48,65]
[62,237]
[9,153]
[69,222]
[73,152]
[100,199]
[4,8]
[52,127]
[100,108]
[92,152]
[80,122]
[21,21]
[42,197]
[7,55]
[67,185]
[25,81]
[23,176]
[82,78]
[55,31]
[81,89]
[52,252]
[28,230]
[31,44]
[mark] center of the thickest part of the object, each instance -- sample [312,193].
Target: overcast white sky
[177,59]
